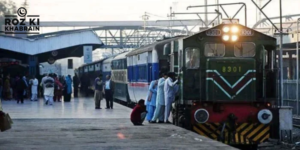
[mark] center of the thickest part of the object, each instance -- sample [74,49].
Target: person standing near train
[68,89]
[75,85]
[109,92]
[151,99]
[159,112]
[98,91]
[169,94]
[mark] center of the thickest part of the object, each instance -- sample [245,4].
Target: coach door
[174,66]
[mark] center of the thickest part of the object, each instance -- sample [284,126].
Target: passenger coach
[144,65]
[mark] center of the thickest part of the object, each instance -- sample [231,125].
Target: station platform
[77,125]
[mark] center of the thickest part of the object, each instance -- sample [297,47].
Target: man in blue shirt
[109,92]
[98,84]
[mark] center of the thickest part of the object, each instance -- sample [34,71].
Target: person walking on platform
[75,85]
[25,93]
[43,89]
[109,92]
[58,87]
[34,89]
[21,87]
[7,89]
[68,89]
[169,94]
[159,112]
[98,91]
[48,84]
[151,99]
[138,113]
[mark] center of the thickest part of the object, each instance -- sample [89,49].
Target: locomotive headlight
[234,38]
[226,37]
[201,115]
[265,116]
[226,29]
[234,29]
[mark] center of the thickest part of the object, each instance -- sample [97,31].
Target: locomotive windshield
[192,58]
[244,49]
[214,50]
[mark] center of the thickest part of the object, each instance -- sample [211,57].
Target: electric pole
[170,22]
[145,18]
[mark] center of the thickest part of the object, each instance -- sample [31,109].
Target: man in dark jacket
[138,113]
[21,87]
[75,85]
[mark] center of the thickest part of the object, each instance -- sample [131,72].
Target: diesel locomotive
[227,80]
[228,83]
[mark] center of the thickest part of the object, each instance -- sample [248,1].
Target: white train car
[144,65]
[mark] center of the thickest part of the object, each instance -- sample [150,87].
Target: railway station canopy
[58,45]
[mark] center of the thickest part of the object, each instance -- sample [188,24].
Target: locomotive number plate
[247,32]
[229,69]
[213,32]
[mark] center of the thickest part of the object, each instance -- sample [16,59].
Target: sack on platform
[5,122]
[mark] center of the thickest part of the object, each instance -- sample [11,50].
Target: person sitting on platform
[138,113]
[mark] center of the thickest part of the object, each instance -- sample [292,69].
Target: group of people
[157,106]
[104,88]
[14,88]
[52,87]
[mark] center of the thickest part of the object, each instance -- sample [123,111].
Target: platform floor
[78,126]
[77,108]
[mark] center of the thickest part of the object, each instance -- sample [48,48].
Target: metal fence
[289,95]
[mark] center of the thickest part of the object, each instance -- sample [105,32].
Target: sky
[122,10]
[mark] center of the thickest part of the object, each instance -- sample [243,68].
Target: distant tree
[7,7]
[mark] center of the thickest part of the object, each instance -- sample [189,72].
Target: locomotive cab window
[245,49]
[192,58]
[214,50]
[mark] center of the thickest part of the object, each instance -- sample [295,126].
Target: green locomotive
[227,83]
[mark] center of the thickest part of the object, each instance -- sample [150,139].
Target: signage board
[88,54]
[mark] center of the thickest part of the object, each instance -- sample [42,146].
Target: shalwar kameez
[169,96]
[159,112]
[151,99]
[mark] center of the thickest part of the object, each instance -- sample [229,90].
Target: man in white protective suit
[169,94]
[159,112]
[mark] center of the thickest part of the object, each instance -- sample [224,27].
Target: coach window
[192,58]
[214,50]
[86,69]
[245,49]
